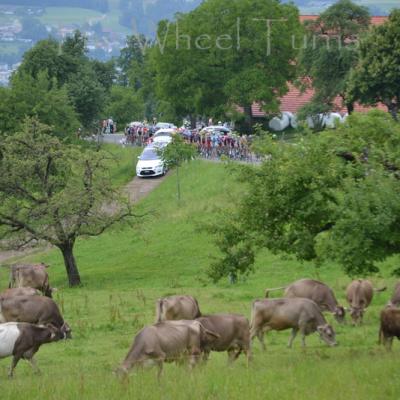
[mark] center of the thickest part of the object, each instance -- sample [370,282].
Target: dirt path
[137,189]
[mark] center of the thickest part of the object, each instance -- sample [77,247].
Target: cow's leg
[206,355]
[14,363]
[388,341]
[292,336]
[34,365]
[260,336]
[303,339]
[160,364]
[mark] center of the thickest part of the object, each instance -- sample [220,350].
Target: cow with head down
[33,309]
[316,291]
[359,294]
[31,275]
[234,334]
[300,315]
[168,341]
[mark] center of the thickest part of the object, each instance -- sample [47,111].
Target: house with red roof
[295,99]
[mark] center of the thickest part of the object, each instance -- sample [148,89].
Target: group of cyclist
[211,142]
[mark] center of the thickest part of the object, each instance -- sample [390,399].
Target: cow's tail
[198,315]
[159,309]
[273,290]
[46,288]
[253,315]
[382,289]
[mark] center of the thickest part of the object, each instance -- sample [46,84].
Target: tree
[54,192]
[175,154]
[87,94]
[330,51]
[37,97]
[124,105]
[223,54]
[376,77]
[333,196]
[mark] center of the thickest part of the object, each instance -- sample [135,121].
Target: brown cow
[35,276]
[390,326]
[233,331]
[359,294]
[22,340]
[177,308]
[168,341]
[23,291]
[316,291]
[297,313]
[33,309]
[395,300]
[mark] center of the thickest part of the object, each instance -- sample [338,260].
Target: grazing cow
[233,331]
[359,294]
[168,341]
[22,340]
[297,313]
[33,309]
[23,291]
[177,308]
[390,326]
[395,300]
[34,276]
[316,291]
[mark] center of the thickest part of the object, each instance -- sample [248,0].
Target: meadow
[125,270]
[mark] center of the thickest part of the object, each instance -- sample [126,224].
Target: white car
[163,136]
[150,163]
[164,125]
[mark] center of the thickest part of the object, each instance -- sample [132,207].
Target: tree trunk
[192,121]
[248,118]
[393,110]
[74,278]
[350,108]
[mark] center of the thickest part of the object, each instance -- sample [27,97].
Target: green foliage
[126,271]
[175,154]
[87,82]
[329,196]
[376,76]
[54,192]
[124,105]
[37,97]
[330,51]
[219,55]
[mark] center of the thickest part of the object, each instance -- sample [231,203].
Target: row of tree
[223,55]
[60,85]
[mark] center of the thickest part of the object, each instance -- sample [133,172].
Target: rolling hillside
[126,270]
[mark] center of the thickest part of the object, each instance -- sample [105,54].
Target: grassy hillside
[126,270]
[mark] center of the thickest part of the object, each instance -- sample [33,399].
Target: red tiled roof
[294,99]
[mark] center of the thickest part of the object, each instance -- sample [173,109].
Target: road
[137,189]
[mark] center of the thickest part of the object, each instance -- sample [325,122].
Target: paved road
[137,189]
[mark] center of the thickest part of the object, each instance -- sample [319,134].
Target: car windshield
[149,154]
[158,134]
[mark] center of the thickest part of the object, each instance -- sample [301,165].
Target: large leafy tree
[330,196]
[376,77]
[330,51]
[226,53]
[124,105]
[87,82]
[40,97]
[55,193]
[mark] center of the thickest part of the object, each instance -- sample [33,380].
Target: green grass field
[126,270]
